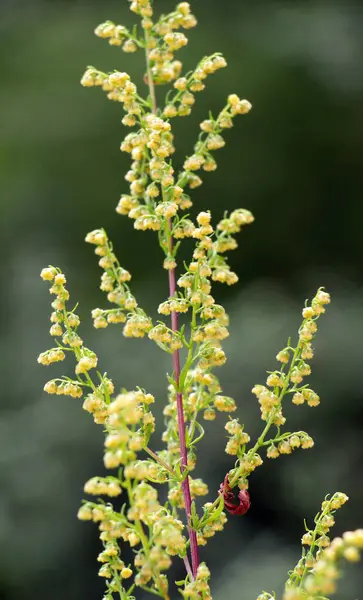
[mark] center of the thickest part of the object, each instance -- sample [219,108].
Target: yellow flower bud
[48,274]
[129,46]
[351,554]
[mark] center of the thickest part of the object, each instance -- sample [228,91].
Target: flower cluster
[200,586]
[155,199]
[209,327]
[211,139]
[270,397]
[157,194]
[213,521]
[65,326]
[146,469]
[197,488]
[201,397]
[51,356]
[113,526]
[165,338]
[126,412]
[117,35]
[316,572]
[103,486]
[63,387]
[326,572]
[167,533]
[237,439]
[288,443]
[180,104]
[290,380]
[114,281]
[119,88]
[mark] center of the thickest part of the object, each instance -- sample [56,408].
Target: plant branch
[176,366]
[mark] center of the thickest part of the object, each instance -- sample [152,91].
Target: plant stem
[181,428]
[176,367]
[150,80]
[188,567]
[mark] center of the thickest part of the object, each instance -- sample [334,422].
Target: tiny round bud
[129,46]
[284,447]
[100,323]
[294,441]
[308,312]
[50,387]
[298,398]
[351,554]
[170,111]
[48,274]
[233,100]
[244,107]
[322,297]
[203,572]
[209,414]
[307,539]
[183,8]
[207,126]
[307,442]
[85,513]
[204,218]
[272,452]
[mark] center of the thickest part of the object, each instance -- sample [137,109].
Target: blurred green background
[296,162]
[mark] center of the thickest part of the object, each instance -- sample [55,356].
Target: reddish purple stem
[181,431]
[179,396]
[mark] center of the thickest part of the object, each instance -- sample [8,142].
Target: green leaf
[202,432]
[171,380]
[214,516]
[183,474]
[176,248]
[194,517]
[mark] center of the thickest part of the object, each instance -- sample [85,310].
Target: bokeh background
[296,161]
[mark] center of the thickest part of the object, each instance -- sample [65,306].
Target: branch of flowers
[280,438]
[145,543]
[176,366]
[203,145]
[315,535]
[270,421]
[123,593]
[77,354]
[190,78]
[261,440]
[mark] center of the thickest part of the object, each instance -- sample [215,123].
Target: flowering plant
[157,200]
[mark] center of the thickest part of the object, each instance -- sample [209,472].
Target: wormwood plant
[159,194]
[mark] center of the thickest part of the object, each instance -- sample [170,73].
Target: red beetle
[235,505]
